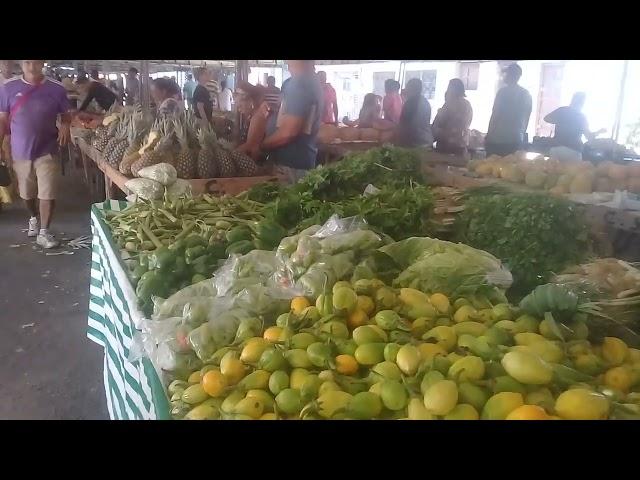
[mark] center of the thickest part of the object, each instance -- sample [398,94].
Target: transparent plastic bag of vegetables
[180,188]
[163,173]
[145,188]
[175,304]
[455,269]
[329,269]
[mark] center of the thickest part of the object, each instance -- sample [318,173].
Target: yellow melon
[581,183]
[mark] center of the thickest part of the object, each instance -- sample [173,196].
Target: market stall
[272,306]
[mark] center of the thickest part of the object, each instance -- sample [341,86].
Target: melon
[369,134]
[564,180]
[485,169]
[327,133]
[552,180]
[349,134]
[535,178]
[512,173]
[618,172]
[581,183]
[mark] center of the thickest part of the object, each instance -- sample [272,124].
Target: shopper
[414,127]
[570,125]
[187,90]
[30,106]
[451,123]
[132,90]
[370,113]
[6,70]
[392,102]
[250,105]
[291,140]
[94,90]
[163,92]
[510,116]
[272,94]
[202,104]
[225,97]
[330,111]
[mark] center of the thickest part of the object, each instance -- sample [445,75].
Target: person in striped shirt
[272,94]
[214,89]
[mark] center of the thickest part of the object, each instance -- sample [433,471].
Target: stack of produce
[208,229]
[536,235]
[561,177]
[332,134]
[363,350]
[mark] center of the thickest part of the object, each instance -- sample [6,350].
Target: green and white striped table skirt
[133,389]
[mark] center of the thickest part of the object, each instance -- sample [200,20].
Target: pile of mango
[368,351]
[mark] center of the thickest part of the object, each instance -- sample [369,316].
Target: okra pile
[175,243]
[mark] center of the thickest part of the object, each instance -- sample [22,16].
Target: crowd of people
[281,124]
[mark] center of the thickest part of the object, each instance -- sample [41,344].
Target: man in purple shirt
[29,109]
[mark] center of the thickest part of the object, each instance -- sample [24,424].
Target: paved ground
[49,369]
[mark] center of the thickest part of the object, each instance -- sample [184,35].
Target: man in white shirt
[225,97]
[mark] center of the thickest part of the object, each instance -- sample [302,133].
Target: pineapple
[102,138]
[99,134]
[161,153]
[185,162]
[207,165]
[136,134]
[226,163]
[114,150]
[245,165]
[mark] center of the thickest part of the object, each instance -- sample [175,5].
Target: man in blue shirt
[187,90]
[291,134]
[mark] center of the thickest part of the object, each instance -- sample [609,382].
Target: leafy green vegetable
[400,209]
[533,234]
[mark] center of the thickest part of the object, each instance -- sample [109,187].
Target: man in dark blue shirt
[291,134]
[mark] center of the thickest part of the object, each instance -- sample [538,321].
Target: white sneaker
[47,240]
[33,227]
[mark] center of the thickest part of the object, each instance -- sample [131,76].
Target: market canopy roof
[164,65]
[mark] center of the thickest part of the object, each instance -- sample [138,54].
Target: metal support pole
[616,124]
[242,75]
[145,98]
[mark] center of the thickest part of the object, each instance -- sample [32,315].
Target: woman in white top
[225,97]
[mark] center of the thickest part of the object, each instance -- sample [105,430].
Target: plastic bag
[179,188]
[175,304]
[145,188]
[163,173]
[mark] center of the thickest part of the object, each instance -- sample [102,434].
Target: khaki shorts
[38,178]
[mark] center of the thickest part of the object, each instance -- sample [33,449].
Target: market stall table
[113,177]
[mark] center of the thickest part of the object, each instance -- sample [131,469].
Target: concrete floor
[49,369]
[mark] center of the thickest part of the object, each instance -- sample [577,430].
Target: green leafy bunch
[533,234]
